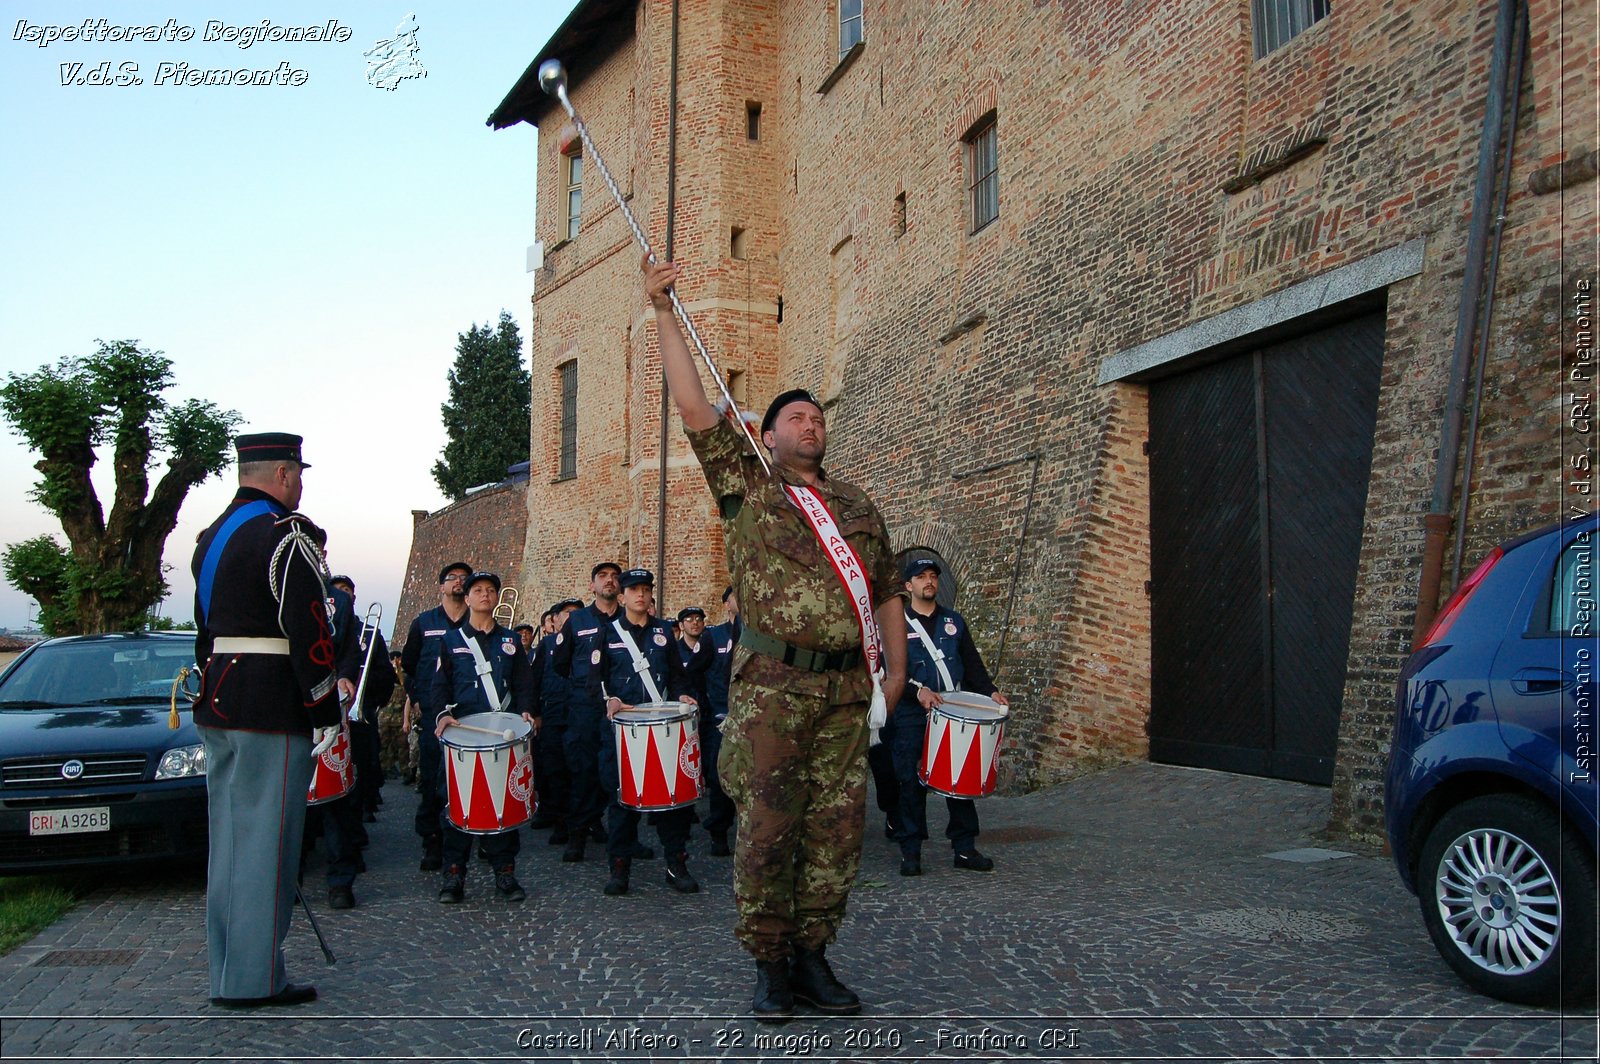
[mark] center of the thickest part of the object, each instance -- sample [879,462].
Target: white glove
[877,712]
[322,738]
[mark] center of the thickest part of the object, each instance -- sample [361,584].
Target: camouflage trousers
[392,752]
[795,766]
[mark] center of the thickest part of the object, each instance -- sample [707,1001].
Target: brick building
[1141,316]
[487,530]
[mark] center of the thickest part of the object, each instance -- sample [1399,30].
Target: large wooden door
[1258,481]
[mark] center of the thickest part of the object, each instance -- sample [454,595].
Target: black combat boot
[432,853]
[505,881]
[679,878]
[774,1001]
[618,883]
[575,844]
[453,885]
[814,982]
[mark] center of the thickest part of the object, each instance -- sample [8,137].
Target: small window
[574,194]
[568,465]
[849,25]
[983,173]
[900,215]
[1572,599]
[1277,22]
[739,243]
[752,121]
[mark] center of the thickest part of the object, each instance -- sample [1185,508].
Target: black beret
[794,395]
[270,447]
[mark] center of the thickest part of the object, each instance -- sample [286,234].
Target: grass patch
[29,904]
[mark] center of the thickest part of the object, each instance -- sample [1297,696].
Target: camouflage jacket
[787,587]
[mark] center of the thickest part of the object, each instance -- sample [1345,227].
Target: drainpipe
[666,399]
[1436,523]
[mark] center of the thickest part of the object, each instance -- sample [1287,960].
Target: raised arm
[683,377]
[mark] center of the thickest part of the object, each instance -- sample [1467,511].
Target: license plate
[69,821]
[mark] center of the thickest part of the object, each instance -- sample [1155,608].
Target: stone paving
[1134,915]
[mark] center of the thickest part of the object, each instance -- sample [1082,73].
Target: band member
[268,695]
[634,662]
[419,658]
[718,642]
[940,656]
[482,669]
[527,637]
[554,776]
[794,743]
[338,821]
[574,650]
[364,725]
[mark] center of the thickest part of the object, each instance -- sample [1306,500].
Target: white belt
[239,644]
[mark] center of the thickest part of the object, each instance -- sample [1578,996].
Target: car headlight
[182,761]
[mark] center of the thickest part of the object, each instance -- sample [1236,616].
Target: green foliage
[41,568]
[111,575]
[487,416]
[29,904]
[157,623]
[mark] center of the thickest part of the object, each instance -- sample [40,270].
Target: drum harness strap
[933,651]
[640,665]
[485,672]
[853,575]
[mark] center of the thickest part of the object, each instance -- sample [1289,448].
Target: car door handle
[1539,681]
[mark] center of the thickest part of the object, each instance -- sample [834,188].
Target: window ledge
[845,62]
[559,244]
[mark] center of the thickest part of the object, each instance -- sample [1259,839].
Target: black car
[91,771]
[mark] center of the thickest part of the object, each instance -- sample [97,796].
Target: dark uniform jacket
[353,640]
[286,694]
[574,653]
[722,638]
[456,686]
[553,688]
[614,669]
[948,630]
[697,662]
[421,654]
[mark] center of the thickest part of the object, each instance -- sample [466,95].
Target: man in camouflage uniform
[795,739]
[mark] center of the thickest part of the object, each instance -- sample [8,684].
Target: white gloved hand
[877,712]
[322,738]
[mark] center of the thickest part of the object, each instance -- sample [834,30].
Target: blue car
[1490,797]
[91,772]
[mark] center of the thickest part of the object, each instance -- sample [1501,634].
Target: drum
[333,772]
[658,756]
[488,778]
[961,748]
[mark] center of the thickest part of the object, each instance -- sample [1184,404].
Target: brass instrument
[505,610]
[369,636]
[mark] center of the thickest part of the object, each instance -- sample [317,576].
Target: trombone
[505,610]
[369,637]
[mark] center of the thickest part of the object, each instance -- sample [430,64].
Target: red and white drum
[488,777]
[961,748]
[658,756]
[333,772]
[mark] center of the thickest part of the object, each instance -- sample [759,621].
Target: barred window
[983,173]
[1277,22]
[849,25]
[574,194]
[568,467]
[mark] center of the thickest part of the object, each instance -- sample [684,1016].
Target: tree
[109,576]
[486,419]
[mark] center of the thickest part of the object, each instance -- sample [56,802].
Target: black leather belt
[800,657]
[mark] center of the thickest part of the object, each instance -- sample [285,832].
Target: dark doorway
[1258,481]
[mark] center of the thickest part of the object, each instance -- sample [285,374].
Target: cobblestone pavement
[1133,914]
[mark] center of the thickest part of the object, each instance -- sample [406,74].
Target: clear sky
[304,254]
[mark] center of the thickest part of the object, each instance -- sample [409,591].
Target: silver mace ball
[552,76]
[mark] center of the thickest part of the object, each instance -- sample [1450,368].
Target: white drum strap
[640,665]
[933,651]
[485,673]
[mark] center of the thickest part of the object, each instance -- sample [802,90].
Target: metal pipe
[1437,521]
[1520,50]
[666,398]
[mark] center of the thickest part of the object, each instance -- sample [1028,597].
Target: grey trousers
[256,786]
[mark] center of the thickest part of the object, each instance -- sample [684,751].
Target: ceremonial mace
[553,80]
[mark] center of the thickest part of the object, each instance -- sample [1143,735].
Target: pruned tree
[109,575]
[487,415]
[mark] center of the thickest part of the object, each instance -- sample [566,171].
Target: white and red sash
[853,575]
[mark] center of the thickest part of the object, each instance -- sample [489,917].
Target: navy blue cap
[638,578]
[576,604]
[478,578]
[794,395]
[603,565]
[917,566]
[453,567]
[270,447]
[691,611]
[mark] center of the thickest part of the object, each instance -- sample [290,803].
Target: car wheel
[1503,890]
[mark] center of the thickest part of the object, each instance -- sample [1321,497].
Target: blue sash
[208,568]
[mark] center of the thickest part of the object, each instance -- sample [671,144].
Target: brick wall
[1152,174]
[486,530]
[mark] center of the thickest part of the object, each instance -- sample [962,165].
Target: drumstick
[486,731]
